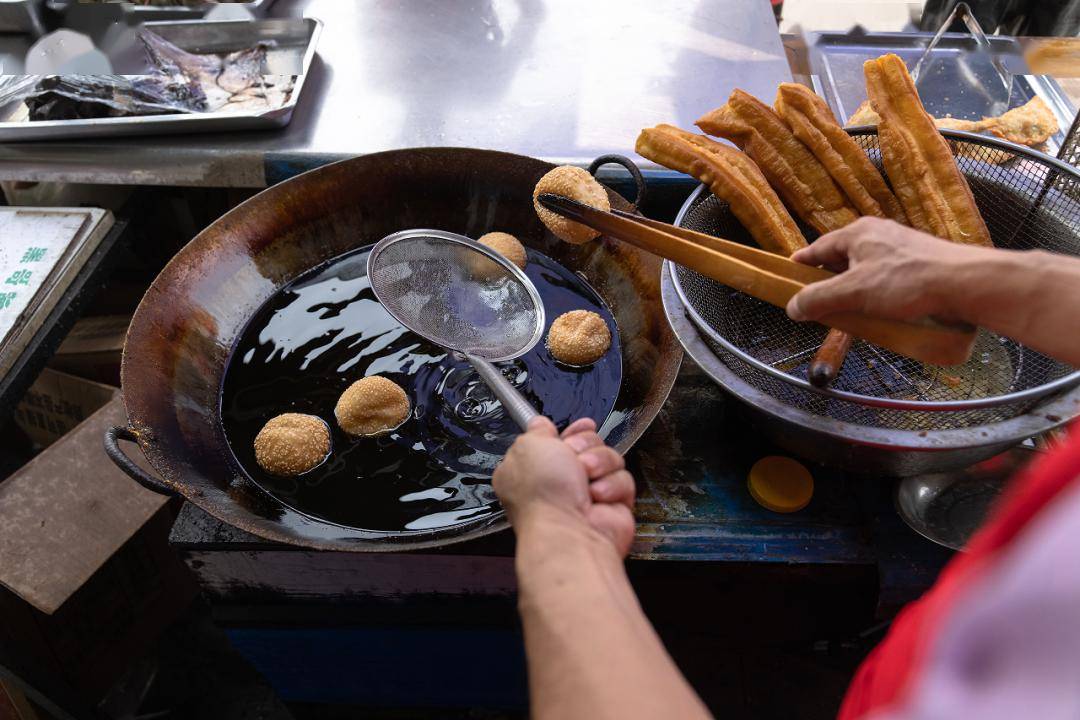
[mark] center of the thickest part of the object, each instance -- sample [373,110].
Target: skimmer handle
[517,407]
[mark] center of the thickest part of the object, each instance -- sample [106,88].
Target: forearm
[592,653]
[1032,297]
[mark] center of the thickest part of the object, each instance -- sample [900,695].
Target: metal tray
[949,508]
[295,43]
[13,49]
[150,13]
[954,82]
[21,16]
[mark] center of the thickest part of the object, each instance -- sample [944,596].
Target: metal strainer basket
[1029,201]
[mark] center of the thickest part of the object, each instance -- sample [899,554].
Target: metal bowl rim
[1014,429]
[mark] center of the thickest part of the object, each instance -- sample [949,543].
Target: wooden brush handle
[829,359]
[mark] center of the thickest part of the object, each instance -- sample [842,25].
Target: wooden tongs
[768,277]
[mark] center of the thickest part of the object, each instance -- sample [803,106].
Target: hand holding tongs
[768,277]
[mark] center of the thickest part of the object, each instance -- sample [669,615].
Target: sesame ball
[580,337]
[506,245]
[372,406]
[576,184]
[292,444]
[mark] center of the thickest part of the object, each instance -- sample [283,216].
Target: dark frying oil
[324,331]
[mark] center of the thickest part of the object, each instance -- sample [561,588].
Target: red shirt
[891,674]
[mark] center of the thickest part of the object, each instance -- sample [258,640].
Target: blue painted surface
[693,502]
[844,546]
[400,667]
[279,167]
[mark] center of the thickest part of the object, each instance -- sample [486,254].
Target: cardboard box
[88,579]
[93,349]
[57,402]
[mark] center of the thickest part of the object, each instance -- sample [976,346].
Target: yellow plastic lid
[781,484]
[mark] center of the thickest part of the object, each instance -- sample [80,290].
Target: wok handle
[113,436]
[630,166]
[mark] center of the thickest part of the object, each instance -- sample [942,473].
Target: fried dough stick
[800,178]
[917,158]
[791,169]
[732,177]
[813,123]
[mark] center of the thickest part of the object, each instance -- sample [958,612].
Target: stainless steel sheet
[562,80]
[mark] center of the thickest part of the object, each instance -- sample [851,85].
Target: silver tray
[150,13]
[295,42]
[949,508]
[953,86]
[21,16]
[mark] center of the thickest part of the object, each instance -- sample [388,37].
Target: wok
[179,342]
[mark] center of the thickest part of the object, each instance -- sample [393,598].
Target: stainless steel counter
[564,80]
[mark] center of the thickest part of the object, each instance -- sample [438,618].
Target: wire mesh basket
[1029,201]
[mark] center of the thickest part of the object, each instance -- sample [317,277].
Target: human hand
[574,478]
[611,482]
[889,271]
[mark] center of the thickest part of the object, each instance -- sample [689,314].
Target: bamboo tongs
[768,277]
